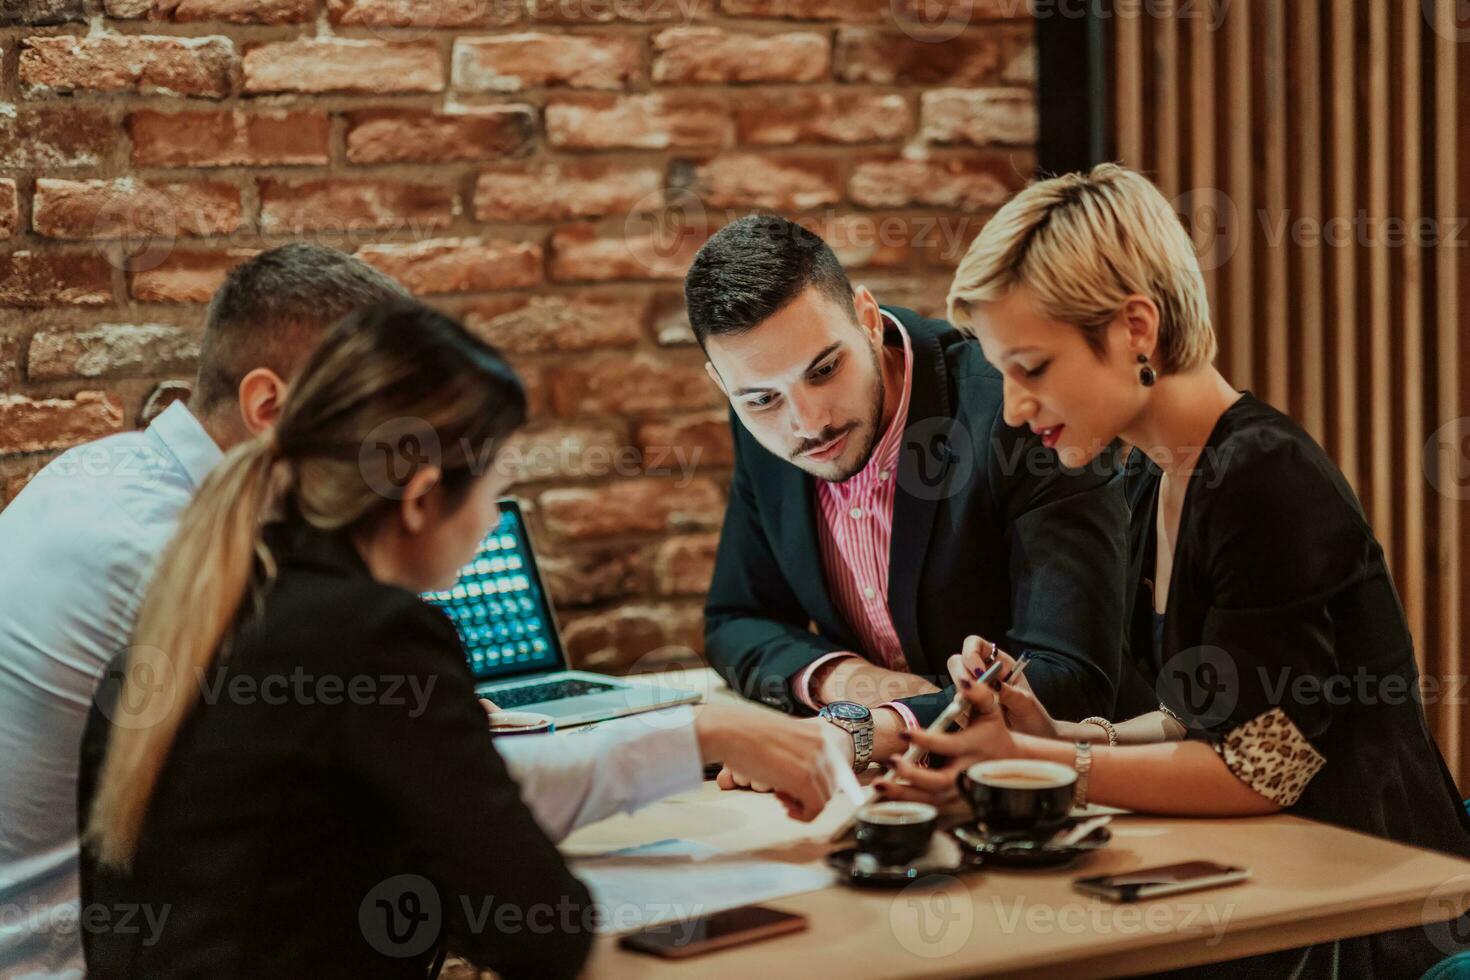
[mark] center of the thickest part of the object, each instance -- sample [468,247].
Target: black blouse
[1280,598]
[336,808]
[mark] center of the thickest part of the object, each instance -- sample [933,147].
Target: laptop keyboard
[549,691]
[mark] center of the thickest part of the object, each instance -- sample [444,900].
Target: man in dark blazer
[860,549]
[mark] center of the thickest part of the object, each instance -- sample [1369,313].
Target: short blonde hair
[1082,244]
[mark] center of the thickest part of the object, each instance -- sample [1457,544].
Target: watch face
[848,711]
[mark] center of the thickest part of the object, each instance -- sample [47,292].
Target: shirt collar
[183,436]
[885,453]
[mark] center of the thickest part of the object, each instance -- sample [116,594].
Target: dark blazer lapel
[796,539]
[926,462]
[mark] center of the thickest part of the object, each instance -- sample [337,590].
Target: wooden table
[1311,883]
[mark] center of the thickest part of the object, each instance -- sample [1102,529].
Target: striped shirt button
[870,592]
[857,513]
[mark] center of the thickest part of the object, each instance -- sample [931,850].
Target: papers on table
[675,879]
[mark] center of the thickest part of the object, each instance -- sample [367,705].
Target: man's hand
[887,741]
[797,760]
[854,679]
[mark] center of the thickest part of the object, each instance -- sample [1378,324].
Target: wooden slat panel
[1409,285]
[1308,153]
[1167,85]
[1344,300]
[1449,658]
[1203,171]
[1380,398]
[1237,272]
[1273,259]
[1128,55]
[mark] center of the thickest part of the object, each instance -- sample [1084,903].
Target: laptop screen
[500,607]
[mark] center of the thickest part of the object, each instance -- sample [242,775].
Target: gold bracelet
[1105,725]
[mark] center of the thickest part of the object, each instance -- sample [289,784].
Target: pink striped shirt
[854,531]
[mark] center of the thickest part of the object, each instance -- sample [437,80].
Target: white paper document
[675,879]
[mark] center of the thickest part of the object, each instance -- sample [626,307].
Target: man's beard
[874,420]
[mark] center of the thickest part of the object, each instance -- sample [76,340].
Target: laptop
[508,628]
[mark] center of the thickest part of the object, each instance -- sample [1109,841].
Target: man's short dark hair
[753,267]
[273,309]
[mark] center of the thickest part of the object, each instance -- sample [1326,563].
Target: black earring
[1146,373]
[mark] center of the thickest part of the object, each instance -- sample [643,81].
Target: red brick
[632,507]
[395,136]
[186,276]
[343,65]
[9,209]
[50,278]
[685,565]
[128,208]
[622,384]
[231,11]
[585,578]
[543,324]
[671,321]
[40,13]
[514,62]
[824,117]
[649,122]
[944,16]
[773,183]
[55,138]
[343,205]
[421,13]
[864,241]
[609,11]
[636,637]
[708,54]
[687,440]
[970,183]
[556,190]
[111,350]
[33,425]
[579,254]
[979,117]
[11,355]
[808,9]
[893,57]
[192,66]
[565,452]
[229,138]
[457,265]
[922,293]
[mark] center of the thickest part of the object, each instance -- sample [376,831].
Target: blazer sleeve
[509,902]
[1067,532]
[755,632]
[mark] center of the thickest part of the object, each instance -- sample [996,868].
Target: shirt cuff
[801,685]
[1271,756]
[910,721]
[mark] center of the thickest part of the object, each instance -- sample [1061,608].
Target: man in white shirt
[80,542]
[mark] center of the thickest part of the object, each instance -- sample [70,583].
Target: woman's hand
[985,737]
[1024,712]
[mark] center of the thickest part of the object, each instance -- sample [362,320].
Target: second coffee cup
[1021,797]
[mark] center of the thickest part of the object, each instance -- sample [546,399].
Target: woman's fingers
[923,777]
[964,742]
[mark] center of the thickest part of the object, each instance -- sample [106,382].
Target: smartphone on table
[1169,879]
[733,927]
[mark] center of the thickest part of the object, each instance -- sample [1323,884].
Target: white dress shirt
[79,543]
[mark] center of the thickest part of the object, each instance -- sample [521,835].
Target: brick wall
[544,169]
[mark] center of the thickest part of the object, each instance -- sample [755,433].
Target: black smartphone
[733,927]
[1170,879]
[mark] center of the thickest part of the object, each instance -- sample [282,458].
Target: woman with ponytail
[293,777]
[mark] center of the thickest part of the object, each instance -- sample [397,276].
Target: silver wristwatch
[857,721]
[1083,764]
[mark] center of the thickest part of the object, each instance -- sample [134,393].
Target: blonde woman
[1265,618]
[297,779]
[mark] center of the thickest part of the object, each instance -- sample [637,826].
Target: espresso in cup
[1021,797]
[895,833]
[520,723]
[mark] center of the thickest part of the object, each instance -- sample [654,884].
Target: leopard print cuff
[1271,756]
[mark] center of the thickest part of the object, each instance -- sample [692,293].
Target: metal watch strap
[1083,764]
[862,745]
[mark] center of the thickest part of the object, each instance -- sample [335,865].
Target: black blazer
[990,536]
[1279,596]
[310,828]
